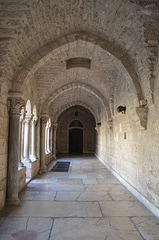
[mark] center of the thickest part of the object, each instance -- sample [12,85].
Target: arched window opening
[27,120]
[76,123]
[48,137]
[33,154]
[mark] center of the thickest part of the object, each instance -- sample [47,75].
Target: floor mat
[61,167]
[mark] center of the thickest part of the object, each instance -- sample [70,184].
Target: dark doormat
[61,167]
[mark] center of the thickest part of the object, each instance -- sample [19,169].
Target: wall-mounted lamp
[99,124]
[121,109]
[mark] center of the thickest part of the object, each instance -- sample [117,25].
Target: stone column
[20,164]
[43,121]
[27,138]
[50,139]
[22,141]
[54,140]
[33,127]
[15,105]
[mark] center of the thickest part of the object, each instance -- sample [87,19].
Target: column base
[15,202]
[54,157]
[43,169]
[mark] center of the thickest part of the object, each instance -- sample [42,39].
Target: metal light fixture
[121,109]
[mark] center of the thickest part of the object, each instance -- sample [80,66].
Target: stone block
[3,161]
[3,146]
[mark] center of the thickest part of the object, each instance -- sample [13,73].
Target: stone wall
[128,149]
[88,130]
[3,146]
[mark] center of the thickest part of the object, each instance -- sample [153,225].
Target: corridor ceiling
[119,37]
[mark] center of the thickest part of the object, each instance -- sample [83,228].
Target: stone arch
[31,64]
[57,114]
[86,87]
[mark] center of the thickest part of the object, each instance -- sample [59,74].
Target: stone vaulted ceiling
[120,37]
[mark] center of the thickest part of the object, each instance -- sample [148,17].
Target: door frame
[68,130]
[71,128]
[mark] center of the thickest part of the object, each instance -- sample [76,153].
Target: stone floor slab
[94,196]
[105,187]
[45,196]
[57,209]
[124,208]
[67,196]
[28,195]
[22,228]
[148,227]
[93,229]
[117,196]
[69,181]
[90,181]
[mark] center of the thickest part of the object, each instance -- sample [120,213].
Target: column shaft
[43,167]
[33,153]
[54,140]
[26,139]
[13,150]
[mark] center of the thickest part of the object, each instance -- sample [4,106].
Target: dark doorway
[75,140]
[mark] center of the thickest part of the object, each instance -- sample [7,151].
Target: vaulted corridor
[79,76]
[85,203]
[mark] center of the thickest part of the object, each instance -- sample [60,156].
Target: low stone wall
[32,169]
[21,178]
[48,158]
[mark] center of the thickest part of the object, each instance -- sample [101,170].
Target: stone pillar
[27,138]
[15,105]
[20,164]
[33,127]
[43,121]
[22,141]
[50,139]
[54,140]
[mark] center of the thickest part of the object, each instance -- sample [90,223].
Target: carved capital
[43,119]
[109,124]
[142,117]
[15,105]
[22,114]
[97,128]
[34,120]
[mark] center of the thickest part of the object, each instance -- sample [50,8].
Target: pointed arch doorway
[76,137]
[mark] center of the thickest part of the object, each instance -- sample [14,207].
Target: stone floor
[86,203]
